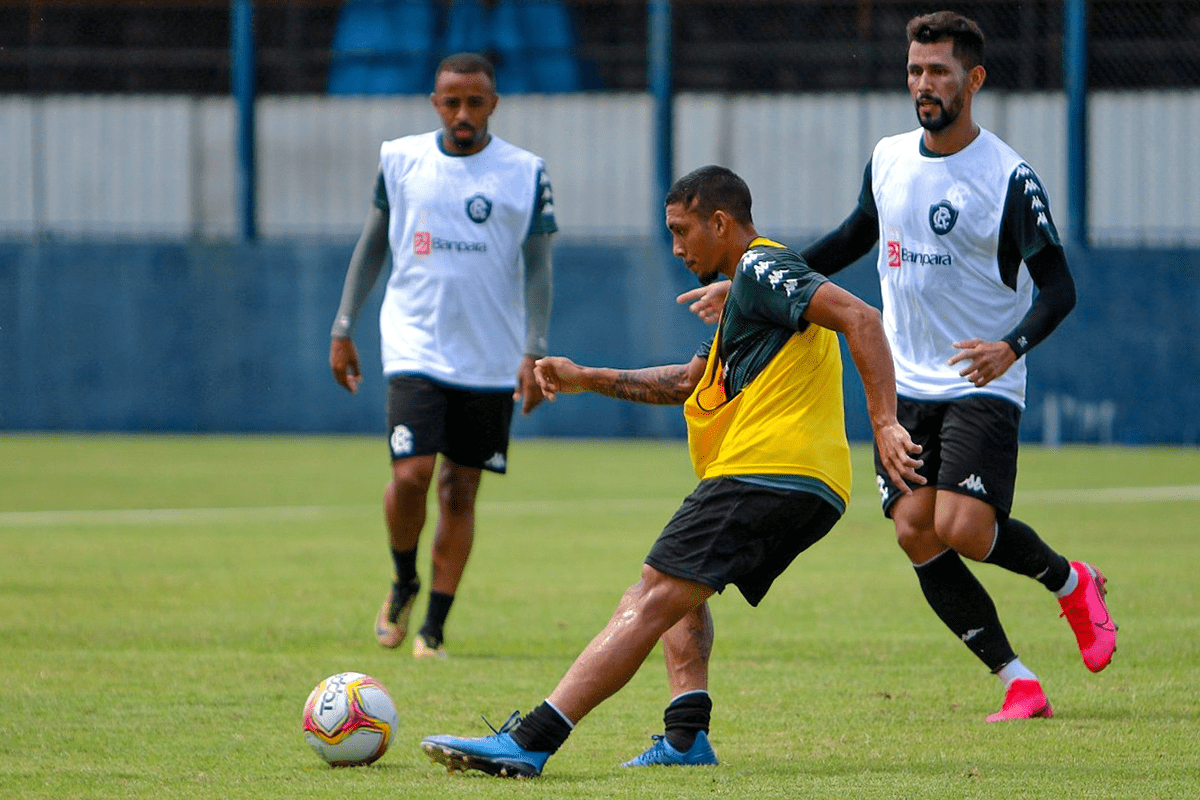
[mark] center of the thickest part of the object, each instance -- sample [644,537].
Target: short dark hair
[711,189]
[942,25]
[466,64]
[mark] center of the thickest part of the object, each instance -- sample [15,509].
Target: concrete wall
[165,167]
[172,336]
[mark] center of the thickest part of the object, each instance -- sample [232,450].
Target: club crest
[942,217]
[479,208]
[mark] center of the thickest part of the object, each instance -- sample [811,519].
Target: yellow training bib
[789,420]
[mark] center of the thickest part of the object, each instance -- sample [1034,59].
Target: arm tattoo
[667,385]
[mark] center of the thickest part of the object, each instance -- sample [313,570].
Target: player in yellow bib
[766,430]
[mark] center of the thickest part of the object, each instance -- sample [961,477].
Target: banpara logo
[422,243]
[895,248]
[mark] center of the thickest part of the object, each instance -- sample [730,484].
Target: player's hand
[706,301]
[528,391]
[343,361]
[899,452]
[987,360]
[558,374]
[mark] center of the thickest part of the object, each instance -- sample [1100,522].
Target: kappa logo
[479,208]
[401,441]
[883,488]
[1036,194]
[750,260]
[973,483]
[546,194]
[942,217]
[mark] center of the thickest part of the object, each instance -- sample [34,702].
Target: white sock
[570,724]
[1071,584]
[1015,670]
[685,694]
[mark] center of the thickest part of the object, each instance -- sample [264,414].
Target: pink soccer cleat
[1023,700]
[1088,614]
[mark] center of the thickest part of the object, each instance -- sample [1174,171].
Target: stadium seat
[384,47]
[549,45]
[532,42]
[472,26]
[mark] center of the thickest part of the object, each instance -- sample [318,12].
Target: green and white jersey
[953,232]
[454,306]
[767,299]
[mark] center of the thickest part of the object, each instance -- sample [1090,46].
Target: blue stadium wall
[203,337]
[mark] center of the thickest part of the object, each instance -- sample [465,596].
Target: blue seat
[384,47]
[531,41]
[472,27]
[549,46]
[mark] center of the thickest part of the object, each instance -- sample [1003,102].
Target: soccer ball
[349,719]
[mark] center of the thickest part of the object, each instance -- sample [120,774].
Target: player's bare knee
[457,491]
[406,490]
[666,597]
[412,474]
[967,539]
[918,541]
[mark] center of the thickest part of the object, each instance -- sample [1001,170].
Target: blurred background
[182,181]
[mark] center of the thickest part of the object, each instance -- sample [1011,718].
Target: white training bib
[454,306]
[939,231]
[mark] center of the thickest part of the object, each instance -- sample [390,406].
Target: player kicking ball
[766,431]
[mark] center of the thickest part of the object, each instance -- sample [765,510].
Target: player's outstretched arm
[666,385]
[706,302]
[836,309]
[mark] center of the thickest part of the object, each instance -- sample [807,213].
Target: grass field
[167,603]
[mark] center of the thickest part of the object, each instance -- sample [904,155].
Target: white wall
[166,166]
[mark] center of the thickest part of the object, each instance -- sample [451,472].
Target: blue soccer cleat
[498,754]
[662,753]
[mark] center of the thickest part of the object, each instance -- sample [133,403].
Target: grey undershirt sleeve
[538,289]
[366,263]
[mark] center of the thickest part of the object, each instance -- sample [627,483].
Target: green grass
[167,603]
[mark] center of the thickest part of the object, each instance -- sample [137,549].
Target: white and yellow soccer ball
[349,719]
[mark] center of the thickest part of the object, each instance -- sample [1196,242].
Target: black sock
[435,617]
[687,715]
[1019,549]
[406,566]
[542,730]
[960,601]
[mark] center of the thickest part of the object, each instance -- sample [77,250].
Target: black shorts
[969,446]
[730,531]
[469,427]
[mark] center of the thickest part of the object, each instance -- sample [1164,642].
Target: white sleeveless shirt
[454,309]
[939,231]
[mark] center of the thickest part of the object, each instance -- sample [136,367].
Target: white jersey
[454,307]
[952,232]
